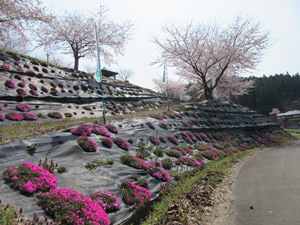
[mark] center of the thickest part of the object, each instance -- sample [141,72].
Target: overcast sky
[280,17]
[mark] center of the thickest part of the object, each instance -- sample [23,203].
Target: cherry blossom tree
[176,88]
[73,33]
[205,52]
[17,16]
[125,74]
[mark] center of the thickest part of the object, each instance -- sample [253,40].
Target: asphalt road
[267,190]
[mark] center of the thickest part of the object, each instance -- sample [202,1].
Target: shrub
[172,139]
[87,144]
[23,107]
[111,128]
[54,115]
[68,115]
[21,92]
[167,163]
[173,152]
[6,67]
[21,84]
[33,92]
[135,195]
[28,116]
[150,125]
[130,141]
[70,207]
[31,72]
[60,85]
[107,142]
[32,87]
[163,125]
[44,89]
[121,143]
[81,131]
[107,200]
[186,137]
[14,116]
[158,172]
[100,130]
[2,117]
[54,91]
[162,139]
[18,77]
[156,116]
[143,182]
[133,161]
[191,135]
[158,151]
[9,84]
[86,107]
[29,178]
[186,160]
[153,140]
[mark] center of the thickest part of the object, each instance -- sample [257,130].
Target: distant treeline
[280,91]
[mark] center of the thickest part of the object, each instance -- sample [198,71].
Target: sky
[280,17]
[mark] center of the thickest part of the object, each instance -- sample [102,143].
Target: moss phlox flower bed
[2,117]
[111,128]
[107,142]
[14,116]
[186,160]
[28,116]
[87,144]
[149,124]
[107,200]
[9,84]
[23,107]
[135,195]
[172,140]
[154,140]
[81,131]
[30,178]
[69,207]
[121,143]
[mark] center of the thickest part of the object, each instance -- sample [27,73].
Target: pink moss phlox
[101,130]
[107,142]
[29,116]
[30,72]
[87,144]
[186,160]
[32,86]
[18,77]
[81,209]
[186,137]
[135,195]
[156,116]
[23,107]
[9,84]
[154,140]
[33,92]
[30,178]
[158,172]
[6,67]
[150,125]
[21,92]
[111,128]
[81,131]
[0,107]
[107,200]
[121,143]
[172,139]
[14,116]
[21,84]
[2,117]
[163,125]
[191,135]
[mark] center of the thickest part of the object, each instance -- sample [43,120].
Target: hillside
[101,157]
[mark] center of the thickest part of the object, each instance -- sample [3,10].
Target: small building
[108,73]
[290,119]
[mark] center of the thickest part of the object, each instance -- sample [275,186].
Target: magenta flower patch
[121,143]
[9,84]
[30,178]
[186,137]
[32,87]
[163,125]
[154,140]
[2,117]
[172,139]
[31,72]
[186,160]
[14,116]
[18,77]
[156,116]
[107,142]
[135,195]
[33,92]
[80,209]
[6,67]
[107,200]
[111,128]
[44,89]
[23,107]
[21,92]
[28,116]
[87,144]
[86,107]
[21,84]
[150,125]
[81,131]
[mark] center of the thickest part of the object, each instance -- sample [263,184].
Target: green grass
[294,131]
[214,173]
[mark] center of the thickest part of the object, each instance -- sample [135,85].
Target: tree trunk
[76,63]
[208,93]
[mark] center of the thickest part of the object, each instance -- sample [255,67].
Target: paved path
[267,191]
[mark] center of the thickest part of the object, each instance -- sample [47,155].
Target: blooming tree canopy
[74,33]
[17,15]
[206,53]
